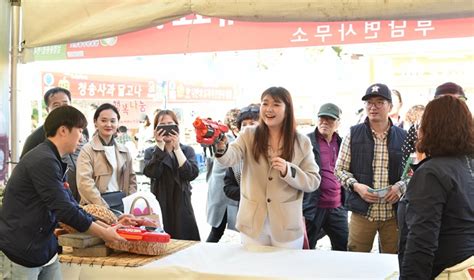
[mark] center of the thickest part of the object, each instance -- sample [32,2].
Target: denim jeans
[50,272]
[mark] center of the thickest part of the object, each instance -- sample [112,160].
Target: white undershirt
[110,153]
[52,260]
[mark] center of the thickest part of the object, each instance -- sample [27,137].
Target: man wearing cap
[323,209]
[369,168]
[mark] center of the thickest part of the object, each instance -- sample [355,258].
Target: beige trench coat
[94,172]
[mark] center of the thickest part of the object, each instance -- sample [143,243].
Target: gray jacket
[217,201]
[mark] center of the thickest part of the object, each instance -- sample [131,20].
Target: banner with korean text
[195,33]
[182,92]
[132,96]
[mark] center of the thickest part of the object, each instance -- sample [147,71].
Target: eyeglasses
[378,104]
[251,109]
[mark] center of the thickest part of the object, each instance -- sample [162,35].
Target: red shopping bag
[305,240]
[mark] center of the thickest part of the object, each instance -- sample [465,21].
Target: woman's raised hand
[221,145]
[280,164]
[159,134]
[174,136]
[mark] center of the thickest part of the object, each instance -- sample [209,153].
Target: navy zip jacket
[35,200]
[362,157]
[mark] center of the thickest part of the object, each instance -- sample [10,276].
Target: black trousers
[330,221]
[217,232]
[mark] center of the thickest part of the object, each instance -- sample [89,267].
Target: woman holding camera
[172,166]
[104,166]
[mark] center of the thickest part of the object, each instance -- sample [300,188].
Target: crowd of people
[273,184]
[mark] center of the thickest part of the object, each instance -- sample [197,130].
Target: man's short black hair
[64,115]
[122,129]
[53,91]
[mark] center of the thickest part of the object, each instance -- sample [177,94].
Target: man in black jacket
[323,209]
[36,198]
[55,98]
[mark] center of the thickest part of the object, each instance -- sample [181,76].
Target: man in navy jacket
[369,168]
[323,209]
[36,198]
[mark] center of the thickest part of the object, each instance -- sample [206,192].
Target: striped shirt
[380,211]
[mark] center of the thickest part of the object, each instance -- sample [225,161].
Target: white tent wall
[4,64]
[47,22]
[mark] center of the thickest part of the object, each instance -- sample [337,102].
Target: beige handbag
[460,271]
[147,212]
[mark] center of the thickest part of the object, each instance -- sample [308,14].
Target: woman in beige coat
[278,167]
[104,165]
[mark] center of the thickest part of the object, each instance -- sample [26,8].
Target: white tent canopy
[48,22]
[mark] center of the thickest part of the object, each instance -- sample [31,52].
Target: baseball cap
[449,88]
[378,90]
[330,110]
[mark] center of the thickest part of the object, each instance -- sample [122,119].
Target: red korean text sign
[195,33]
[83,86]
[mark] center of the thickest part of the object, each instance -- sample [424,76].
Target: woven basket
[100,212]
[139,247]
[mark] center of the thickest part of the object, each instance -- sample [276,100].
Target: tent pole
[13,80]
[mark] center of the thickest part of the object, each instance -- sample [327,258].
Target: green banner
[56,52]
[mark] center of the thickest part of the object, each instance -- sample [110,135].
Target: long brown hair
[446,128]
[288,129]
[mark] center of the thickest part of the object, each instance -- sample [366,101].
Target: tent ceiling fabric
[49,22]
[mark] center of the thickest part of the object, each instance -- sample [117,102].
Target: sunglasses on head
[252,109]
[458,96]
